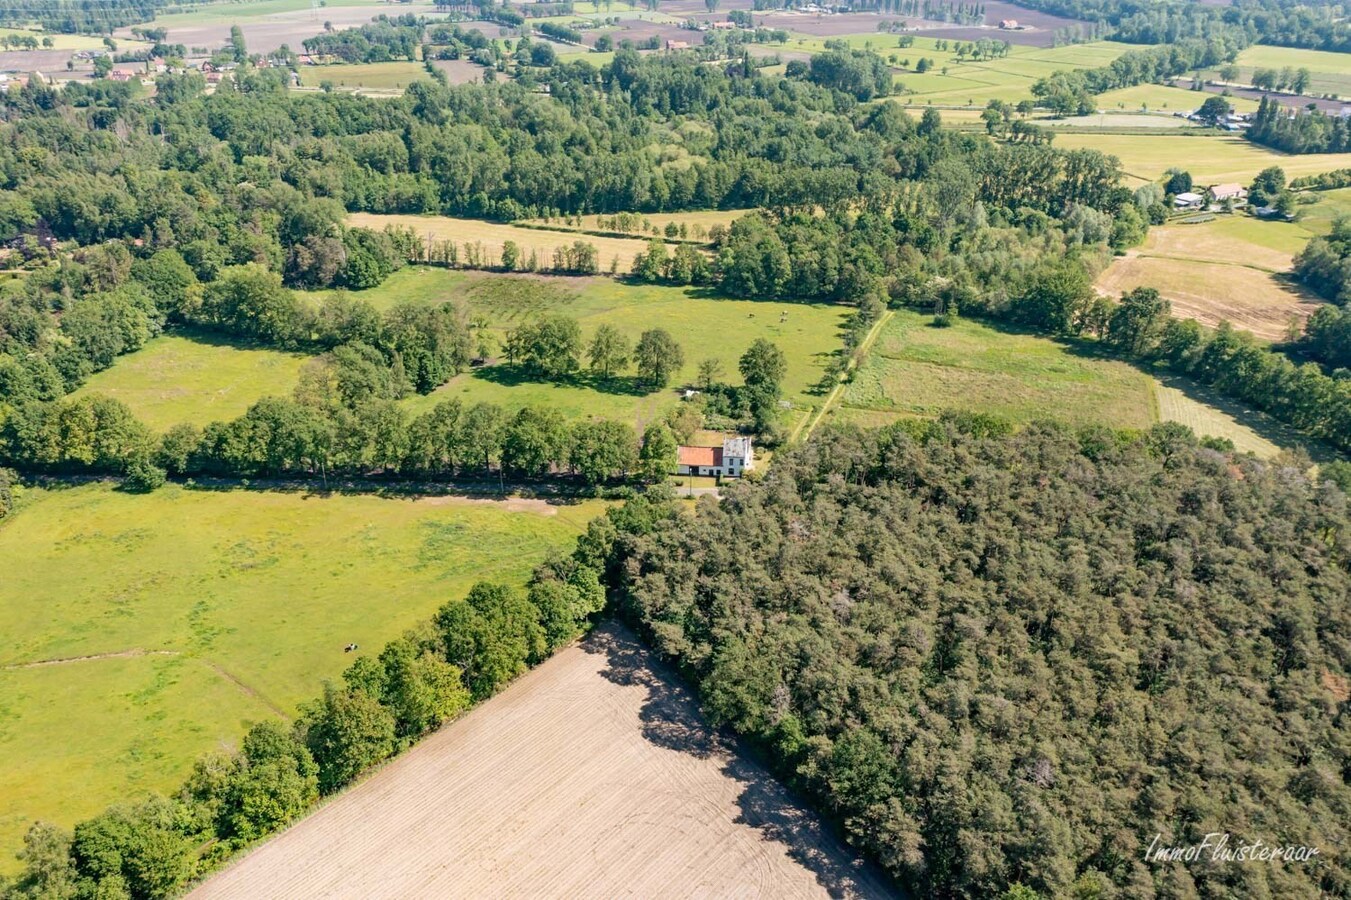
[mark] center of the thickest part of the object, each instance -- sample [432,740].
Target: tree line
[1297,131]
[1070,92]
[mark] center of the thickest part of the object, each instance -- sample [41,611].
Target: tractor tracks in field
[64,660]
[135,652]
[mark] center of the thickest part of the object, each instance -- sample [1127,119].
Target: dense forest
[1298,131]
[1005,663]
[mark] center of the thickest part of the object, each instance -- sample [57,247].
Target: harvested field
[1210,414]
[593,776]
[269,25]
[460,71]
[1233,268]
[492,235]
[705,219]
[1176,405]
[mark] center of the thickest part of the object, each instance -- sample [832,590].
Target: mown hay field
[1227,269]
[492,236]
[377,76]
[188,614]
[592,776]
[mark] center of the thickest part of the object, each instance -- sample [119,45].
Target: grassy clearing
[918,370]
[1163,97]
[492,235]
[179,378]
[377,76]
[1211,158]
[256,593]
[704,325]
[59,41]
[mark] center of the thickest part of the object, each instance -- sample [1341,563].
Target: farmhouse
[677,45]
[1009,24]
[1219,193]
[1188,200]
[733,458]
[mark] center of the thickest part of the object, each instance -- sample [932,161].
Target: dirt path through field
[592,776]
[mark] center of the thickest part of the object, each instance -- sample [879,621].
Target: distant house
[119,75]
[733,458]
[723,25]
[1009,24]
[677,45]
[1188,200]
[1219,193]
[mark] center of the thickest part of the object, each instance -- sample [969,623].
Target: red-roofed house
[733,458]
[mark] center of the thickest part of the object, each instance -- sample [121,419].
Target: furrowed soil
[592,776]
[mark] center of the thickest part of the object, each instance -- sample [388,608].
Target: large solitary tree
[659,357]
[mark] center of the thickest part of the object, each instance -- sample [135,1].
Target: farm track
[591,776]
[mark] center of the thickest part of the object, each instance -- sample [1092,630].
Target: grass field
[1330,73]
[1165,98]
[1234,267]
[206,610]
[968,83]
[592,776]
[178,378]
[492,235]
[377,76]
[705,326]
[1211,158]
[918,370]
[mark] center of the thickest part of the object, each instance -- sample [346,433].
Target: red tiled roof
[700,456]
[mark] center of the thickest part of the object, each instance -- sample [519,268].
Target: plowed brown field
[592,776]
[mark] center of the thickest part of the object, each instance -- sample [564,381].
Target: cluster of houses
[1214,197]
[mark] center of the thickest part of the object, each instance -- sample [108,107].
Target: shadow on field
[671,720]
[508,375]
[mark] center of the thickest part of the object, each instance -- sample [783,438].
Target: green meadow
[916,369]
[706,326]
[195,378]
[140,631]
